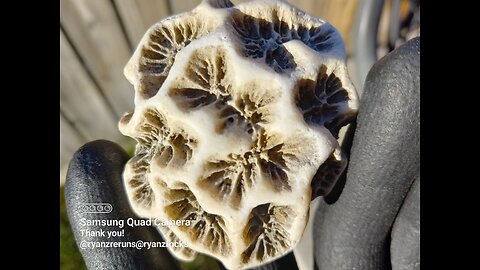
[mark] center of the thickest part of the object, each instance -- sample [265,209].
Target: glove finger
[286,262]
[353,232]
[405,247]
[95,176]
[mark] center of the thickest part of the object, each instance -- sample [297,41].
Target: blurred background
[97,37]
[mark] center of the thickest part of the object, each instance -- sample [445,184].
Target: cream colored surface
[91,24]
[303,251]
[228,120]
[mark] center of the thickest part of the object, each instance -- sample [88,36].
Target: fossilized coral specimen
[237,113]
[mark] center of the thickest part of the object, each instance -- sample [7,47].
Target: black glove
[363,225]
[367,227]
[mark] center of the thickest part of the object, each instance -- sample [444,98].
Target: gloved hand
[371,220]
[374,224]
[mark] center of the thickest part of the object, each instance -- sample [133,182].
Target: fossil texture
[237,114]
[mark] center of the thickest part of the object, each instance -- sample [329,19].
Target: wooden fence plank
[340,13]
[139,15]
[80,99]
[182,6]
[305,5]
[96,33]
[70,141]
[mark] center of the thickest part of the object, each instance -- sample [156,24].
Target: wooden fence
[97,38]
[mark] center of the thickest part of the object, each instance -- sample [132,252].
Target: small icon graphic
[96,208]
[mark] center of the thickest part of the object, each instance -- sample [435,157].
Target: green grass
[70,258]
[201,262]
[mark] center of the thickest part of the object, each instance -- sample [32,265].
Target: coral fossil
[237,113]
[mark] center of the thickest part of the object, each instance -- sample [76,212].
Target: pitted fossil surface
[237,114]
